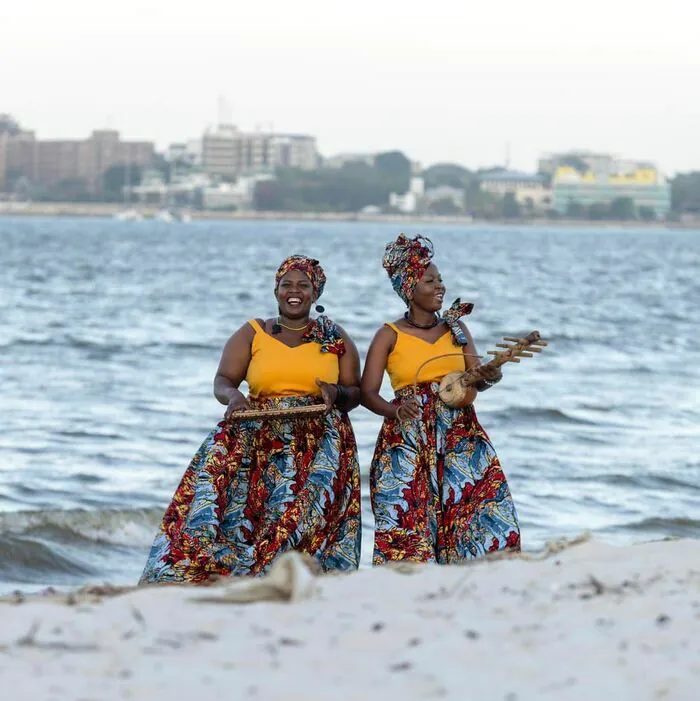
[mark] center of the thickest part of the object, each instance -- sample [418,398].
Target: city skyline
[441,83]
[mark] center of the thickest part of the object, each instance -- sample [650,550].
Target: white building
[187,153]
[527,188]
[228,152]
[444,192]
[409,201]
[239,195]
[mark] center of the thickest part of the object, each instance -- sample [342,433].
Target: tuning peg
[513,339]
[504,345]
[524,354]
[533,349]
[513,360]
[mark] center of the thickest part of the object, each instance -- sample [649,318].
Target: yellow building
[583,179]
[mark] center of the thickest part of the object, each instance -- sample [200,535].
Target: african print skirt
[256,489]
[438,491]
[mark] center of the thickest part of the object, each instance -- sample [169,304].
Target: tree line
[359,185]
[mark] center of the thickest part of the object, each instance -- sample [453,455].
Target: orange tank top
[410,352]
[277,370]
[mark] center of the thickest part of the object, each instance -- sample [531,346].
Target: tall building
[228,152]
[50,162]
[581,178]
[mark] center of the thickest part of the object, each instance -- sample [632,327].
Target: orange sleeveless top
[410,352]
[276,370]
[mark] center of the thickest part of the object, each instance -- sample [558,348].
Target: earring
[320,308]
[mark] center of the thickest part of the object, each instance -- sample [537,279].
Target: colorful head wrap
[405,260]
[309,266]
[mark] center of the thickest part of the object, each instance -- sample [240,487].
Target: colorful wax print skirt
[256,489]
[438,491]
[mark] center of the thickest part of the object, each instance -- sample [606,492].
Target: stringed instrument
[454,387]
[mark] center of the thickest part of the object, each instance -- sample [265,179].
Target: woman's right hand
[237,403]
[408,409]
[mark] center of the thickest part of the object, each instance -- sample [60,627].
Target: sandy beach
[584,620]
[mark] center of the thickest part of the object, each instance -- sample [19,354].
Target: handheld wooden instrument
[290,413]
[454,387]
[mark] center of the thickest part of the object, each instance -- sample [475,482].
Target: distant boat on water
[128,215]
[173,215]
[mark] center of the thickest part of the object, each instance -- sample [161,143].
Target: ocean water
[110,334]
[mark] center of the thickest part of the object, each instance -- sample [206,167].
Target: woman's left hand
[328,392]
[490,374]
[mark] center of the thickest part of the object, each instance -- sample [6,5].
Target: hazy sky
[446,80]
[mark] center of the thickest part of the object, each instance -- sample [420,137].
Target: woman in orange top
[438,491]
[257,488]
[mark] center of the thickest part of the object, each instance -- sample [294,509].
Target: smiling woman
[259,487]
[438,491]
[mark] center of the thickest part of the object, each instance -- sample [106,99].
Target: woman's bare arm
[373,374]
[349,376]
[233,368]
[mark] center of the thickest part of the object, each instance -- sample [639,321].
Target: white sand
[593,622]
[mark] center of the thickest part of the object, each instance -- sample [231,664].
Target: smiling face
[295,295]
[429,292]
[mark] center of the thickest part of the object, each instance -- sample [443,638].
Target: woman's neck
[421,316]
[296,322]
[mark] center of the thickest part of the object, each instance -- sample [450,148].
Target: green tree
[449,174]
[598,211]
[647,213]
[511,206]
[393,164]
[161,164]
[68,190]
[685,192]
[622,208]
[575,210]
[576,162]
[115,178]
[481,204]
[444,207]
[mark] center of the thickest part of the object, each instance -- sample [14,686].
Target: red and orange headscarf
[309,266]
[405,260]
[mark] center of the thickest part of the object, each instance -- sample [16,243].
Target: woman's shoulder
[387,332]
[391,328]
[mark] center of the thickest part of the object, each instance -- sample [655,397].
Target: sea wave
[72,545]
[127,527]
[668,527]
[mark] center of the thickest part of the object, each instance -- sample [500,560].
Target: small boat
[128,215]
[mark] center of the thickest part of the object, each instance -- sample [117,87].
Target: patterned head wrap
[309,266]
[405,261]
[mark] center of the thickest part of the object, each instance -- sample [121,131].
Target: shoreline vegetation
[580,620]
[110,210]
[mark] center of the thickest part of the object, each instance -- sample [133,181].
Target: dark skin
[295,295]
[428,297]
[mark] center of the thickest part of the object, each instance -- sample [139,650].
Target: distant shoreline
[109,210]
